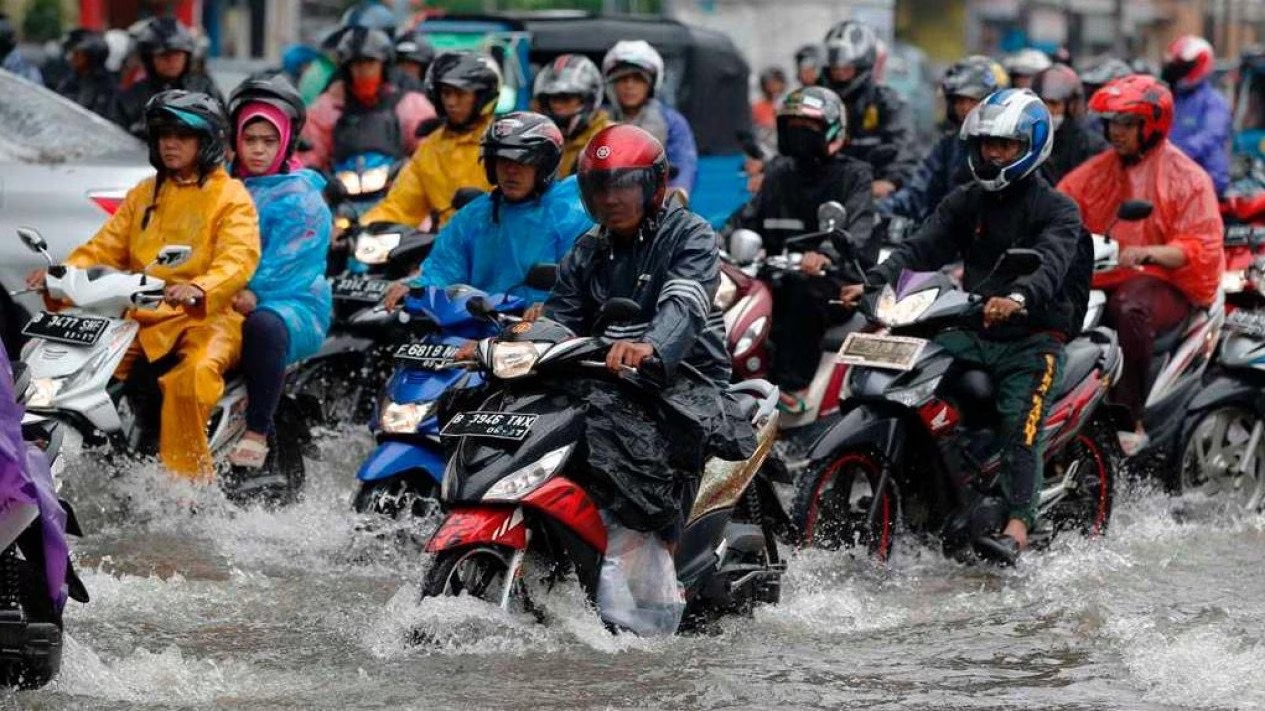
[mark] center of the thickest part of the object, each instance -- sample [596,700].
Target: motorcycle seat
[834,337]
[1081,356]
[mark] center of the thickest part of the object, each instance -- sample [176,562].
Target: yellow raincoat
[218,220]
[575,145]
[445,162]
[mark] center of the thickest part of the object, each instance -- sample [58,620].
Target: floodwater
[198,605]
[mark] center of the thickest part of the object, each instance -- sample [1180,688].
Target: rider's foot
[250,452]
[791,403]
[1017,530]
[1133,442]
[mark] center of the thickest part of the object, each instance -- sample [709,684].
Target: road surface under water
[304,609]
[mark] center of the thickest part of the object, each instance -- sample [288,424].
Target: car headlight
[726,293]
[404,417]
[513,360]
[750,336]
[1233,281]
[914,396]
[896,312]
[529,478]
[376,249]
[43,391]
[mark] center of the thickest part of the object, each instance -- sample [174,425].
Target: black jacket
[943,169]
[96,91]
[1075,142]
[132,102]
[978,226]
[787,203]
[673,274]
[881,133]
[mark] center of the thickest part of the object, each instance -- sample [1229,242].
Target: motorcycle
[917,441]
[72,357]
[517,514]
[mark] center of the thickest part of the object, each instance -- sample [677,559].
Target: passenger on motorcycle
[287,302]
[529,218]
[569,91]
[1024,66]
[1024,322]
[1201,114]
[1177,251]
[413,55]
[1074,140]
[880,125]
[808,61]
[363,111]
[811,170]
[464,87]
[192,201]
[965,84]
[89,83]
[166,49]
[634,77]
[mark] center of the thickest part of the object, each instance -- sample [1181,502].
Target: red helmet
[623,156]
[1137,95]
[1187,62]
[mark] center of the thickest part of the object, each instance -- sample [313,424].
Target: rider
[287,302]
[808,62]
[812,128]
[1024,66]
[1008,205]
[89,83]
[529,218]
[882,132]
[1177,250]
[464,87]
[569,91]
[413,55]
[192,201]
[1201,115]
[634,75]
[1102,71]
[1074,141]
[965,84]
[363,111]
[166,49]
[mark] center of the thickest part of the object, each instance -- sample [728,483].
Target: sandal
[791,404]
[248,453]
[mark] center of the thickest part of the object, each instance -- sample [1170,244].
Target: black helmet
[974,77]
[164,34]
[816,103]
[1102,71]
[810,55]
[414,46]
[272,88]
[851,44]
[91,43]
[570,75]
[372,15]
[523,137]
[191,111]
[365,43]
[8,36]
[467,71]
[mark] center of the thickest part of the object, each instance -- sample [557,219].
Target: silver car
[63,171]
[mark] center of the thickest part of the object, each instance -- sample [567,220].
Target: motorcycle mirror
[173,255]
[480,307]
[617,310]
[745,246]
[1134,210]
[32,239]
[1018,262]
[542,276]
[831,216]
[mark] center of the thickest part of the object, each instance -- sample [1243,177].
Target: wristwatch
[1018,299]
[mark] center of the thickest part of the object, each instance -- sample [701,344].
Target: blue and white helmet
[1017,114]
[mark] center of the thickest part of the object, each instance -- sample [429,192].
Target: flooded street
[303,609]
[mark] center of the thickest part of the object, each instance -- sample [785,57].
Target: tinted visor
[608,191]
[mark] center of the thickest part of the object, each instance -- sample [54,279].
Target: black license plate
[425,356]
[64,328]
[502,425]
[1251,323]
[1237,235]
[359,289]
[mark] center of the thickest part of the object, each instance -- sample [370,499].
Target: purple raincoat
[1201,128]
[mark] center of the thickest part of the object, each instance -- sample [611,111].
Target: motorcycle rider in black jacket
[89,83]
[166,48]
[1008,205]
[1074,140]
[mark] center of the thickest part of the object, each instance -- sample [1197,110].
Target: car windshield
[38,126]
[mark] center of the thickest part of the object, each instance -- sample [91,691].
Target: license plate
[875,351]
[64,328]
[1244,234]
[359,289]
[425,356]
[1246,321]
[502,425]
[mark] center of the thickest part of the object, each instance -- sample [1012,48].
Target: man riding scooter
[1025,322]
[569,90]
[196,337]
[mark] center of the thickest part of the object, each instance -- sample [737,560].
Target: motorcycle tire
[1088,510]
[1210,436]
[479,571]
[393,497]
[822,521]
[29,624]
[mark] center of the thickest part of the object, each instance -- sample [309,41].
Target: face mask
[366,90]
[802,143]
[1056,122]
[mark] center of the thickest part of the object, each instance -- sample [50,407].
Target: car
[63,171]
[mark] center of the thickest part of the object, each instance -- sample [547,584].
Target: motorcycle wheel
[22,588]
[1088,508]
[832,505]
[481,572]
[1215,444]
[397,495]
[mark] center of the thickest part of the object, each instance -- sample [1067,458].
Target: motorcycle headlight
[513,360]
[914,396]
[897,312]
[43,391]
[529,478]
[750,336]
[726,293]
[375,249]
[404,417]
[374,179]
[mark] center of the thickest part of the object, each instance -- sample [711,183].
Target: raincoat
[411,110]
[1201,128]
[575,145]
[219,221]
[490,244]
[445,162]
[1186,212]
[294,225]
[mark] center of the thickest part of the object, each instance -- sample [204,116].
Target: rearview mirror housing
[831,216]
[745,246]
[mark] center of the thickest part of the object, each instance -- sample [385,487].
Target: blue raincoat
[494,256]
[294,225]
[1201,128]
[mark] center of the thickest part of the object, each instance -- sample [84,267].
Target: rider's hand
[998,309]
[883,188]
[35,280]
[628,353]
[814,263]
[851,295]
[1132,257]
[534,312]
[182,294]
[245,302]
[394,295]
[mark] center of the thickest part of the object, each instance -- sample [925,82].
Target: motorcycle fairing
[494,524]
[394,458]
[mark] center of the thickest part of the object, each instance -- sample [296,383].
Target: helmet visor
[617,197]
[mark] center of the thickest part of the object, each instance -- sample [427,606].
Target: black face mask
[803,144]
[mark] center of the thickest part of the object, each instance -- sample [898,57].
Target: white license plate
[881,351]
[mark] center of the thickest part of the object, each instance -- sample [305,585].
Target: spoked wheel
[1087,506]
[1212,463]
[489,573]
[833,503]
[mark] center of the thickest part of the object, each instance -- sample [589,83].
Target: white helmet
[1016,114]
[634,55]
[1027,62]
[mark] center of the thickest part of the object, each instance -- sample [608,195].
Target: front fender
[392,458]
[464,526]
[864,425]
[1225,389]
